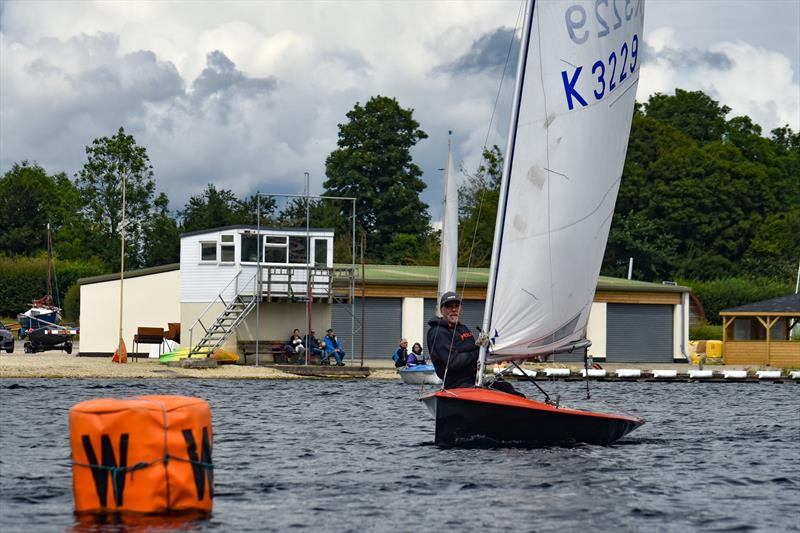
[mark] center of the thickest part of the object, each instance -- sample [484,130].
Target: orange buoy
[147,454]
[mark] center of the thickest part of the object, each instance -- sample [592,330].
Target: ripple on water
[359,456]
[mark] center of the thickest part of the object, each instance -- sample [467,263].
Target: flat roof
[421,275]
[479,277]
[130,274]
[251,228]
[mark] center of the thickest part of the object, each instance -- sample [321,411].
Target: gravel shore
[60,365]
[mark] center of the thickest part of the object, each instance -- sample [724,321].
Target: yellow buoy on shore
[147,454]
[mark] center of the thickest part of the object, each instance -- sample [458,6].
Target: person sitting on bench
[333,347]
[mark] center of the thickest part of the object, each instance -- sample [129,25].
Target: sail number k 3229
[607,73]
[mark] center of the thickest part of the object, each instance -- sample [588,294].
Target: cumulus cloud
[490,52]
[750,80]
[249,96]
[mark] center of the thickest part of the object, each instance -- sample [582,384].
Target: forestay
[576,83]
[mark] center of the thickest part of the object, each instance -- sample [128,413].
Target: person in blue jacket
[333,347]
[400,354]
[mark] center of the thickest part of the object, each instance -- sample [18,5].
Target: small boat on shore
[419,375]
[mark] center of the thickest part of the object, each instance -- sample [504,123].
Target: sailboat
[448,264]
[576,83]
[40,323]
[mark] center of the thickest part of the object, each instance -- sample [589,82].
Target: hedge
[24,279]
[720,294]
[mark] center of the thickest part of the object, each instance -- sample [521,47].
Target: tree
[213,208]
[110,161]
[373,164]
[692,112]
[653,250]
[477,200]
[29,200]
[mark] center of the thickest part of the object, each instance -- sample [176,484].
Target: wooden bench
[271,348]
[145,335]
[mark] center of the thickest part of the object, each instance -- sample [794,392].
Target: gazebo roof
[789,304]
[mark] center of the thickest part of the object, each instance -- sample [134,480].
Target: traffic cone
[121,354]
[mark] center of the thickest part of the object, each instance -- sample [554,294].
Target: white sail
[576,83]
[448,255]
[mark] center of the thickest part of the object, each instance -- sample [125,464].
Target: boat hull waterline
[420,375]
[479,416]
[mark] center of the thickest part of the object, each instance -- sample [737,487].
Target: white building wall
[413,318]
[203,281]
[596,330]
[149,301]
[680,329]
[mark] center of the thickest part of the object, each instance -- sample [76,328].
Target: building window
[297,250]
[249,248]
[321,252]
[275,249]
[208,251]
[227,249]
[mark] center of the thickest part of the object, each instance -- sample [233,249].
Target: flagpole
[121,350]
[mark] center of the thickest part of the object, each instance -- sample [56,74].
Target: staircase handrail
[214,301]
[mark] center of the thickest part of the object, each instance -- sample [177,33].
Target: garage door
[639,333]
[383,317]
[471,316]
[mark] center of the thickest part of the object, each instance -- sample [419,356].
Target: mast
[49,266]
[503,200]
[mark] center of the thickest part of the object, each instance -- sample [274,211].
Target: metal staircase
[235,311]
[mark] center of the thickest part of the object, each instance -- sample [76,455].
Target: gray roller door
[383,317]
[639,333]
[471,316]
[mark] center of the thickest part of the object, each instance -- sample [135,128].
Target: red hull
[484,416]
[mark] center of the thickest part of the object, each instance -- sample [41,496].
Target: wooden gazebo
[760,333]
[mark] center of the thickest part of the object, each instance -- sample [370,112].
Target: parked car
[6,339]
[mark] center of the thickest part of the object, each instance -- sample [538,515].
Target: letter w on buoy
[108,467]
[201,466]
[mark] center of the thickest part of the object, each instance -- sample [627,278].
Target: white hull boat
[419,375]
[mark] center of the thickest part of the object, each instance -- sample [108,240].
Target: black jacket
[463,359]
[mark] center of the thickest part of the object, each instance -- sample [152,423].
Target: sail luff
[503,200]
[448,254]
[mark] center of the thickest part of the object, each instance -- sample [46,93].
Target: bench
[145,335]
[276,349]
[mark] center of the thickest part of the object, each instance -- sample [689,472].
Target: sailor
[452,345]
[453,350]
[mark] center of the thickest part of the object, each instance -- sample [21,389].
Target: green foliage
[692,112]
[705,332]
[215,208]
[635,235]
[24,279]
[725,196]
[373,164]
[724,293]
[478,199]
[29,199]
[72,304]
[112,161]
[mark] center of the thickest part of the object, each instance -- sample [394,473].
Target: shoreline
[62,366]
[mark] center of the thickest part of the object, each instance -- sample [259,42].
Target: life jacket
[400,357]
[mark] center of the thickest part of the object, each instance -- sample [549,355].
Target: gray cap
[448,297]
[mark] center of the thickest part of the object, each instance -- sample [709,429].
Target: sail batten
[578,70]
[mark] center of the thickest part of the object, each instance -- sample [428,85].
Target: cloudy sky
[248,95]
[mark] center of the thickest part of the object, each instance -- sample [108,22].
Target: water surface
[359,456]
